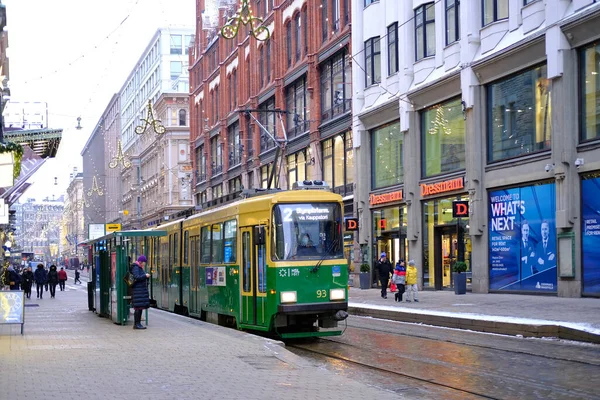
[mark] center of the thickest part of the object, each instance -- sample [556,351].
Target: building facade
[250,96]
[102,184]
[151,185]
[38,228]
[478,141]
[73,228]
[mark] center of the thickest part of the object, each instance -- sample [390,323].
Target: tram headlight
[288,297]
[337,294]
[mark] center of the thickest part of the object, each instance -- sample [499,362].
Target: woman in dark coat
[14,279]
[53,280]
[27,281]
[41,278]
[140,296]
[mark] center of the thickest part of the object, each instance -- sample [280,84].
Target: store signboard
[522,239]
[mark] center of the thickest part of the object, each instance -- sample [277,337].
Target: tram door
[254,276]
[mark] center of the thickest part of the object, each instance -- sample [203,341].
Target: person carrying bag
[399,279]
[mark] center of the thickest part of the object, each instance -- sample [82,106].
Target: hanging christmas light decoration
[244,16]
[150,120]
[119,158]
[440,122]
[95,188]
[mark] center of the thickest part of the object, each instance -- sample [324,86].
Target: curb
[504,328]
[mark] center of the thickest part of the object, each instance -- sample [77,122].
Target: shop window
[268,120]
[298,108]
[372,61]
[296,167]
[235,185]
[443,138]
[522,240]
[235,146]
[265,170]
[590,92]
[216,152]
[519,115]
[452,21]
[386,160]
[336,87]
[425,31]
[200,164]
[494,10]
[389,232]
[441,230]
[338,163]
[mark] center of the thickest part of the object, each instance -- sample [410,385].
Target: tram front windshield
[307,231]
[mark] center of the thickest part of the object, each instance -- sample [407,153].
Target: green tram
[270,262]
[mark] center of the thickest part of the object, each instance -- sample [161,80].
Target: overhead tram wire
[87,53]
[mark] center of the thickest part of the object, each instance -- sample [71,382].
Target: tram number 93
[321,294]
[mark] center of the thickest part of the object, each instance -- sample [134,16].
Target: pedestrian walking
[140,296]
[399,279]
[385,269]
[40,276]
[52,280]
[62,278]
[14,279]
[76,277]
[27,281]
[411,282]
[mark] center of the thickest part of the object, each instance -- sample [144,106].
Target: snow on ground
[483,317]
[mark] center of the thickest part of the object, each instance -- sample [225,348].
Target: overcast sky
[74,55]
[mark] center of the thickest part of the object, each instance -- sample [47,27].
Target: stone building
[492,103]
[294,87]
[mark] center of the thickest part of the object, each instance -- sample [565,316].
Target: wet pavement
[527,315]
[68,352]
[432,362]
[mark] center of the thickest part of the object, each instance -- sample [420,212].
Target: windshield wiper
[333,246]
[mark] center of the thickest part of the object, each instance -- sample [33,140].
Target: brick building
[304,69]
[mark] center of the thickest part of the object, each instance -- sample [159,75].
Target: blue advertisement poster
[590,225]
[522,238]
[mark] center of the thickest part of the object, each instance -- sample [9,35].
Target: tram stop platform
[68,352]
[510,314]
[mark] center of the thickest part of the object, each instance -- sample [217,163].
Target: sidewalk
[527,315]
[68,352]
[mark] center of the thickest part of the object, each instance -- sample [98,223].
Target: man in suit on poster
[528,259]
[545,250]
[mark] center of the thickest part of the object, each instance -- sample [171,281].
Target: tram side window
[175,249]
[186,246]
[205,245]
[230,243]
[217,243]
[246,246]
[262,268]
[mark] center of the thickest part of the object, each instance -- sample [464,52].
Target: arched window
[182,117]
